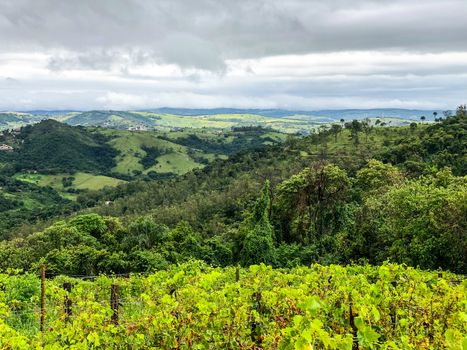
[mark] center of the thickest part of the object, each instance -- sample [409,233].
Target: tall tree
[335,129]
[258,245]
[308,203]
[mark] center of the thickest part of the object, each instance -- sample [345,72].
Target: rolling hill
[165,119]
[54,160]
[50,146]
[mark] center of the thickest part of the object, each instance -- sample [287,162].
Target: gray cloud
[204,33]
[246,53]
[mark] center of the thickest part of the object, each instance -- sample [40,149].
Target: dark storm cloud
[204,33]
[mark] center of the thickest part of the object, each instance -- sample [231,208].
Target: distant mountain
[329,113]
[348,114]
[108,118]
[43,112]
[289,121]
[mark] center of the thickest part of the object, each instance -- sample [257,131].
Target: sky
[288,54]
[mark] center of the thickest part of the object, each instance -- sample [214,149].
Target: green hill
[52,147]
[13,120]
[114,119]
[178,152]
[327,198]
[68,161]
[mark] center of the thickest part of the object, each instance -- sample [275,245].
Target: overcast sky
[293,54]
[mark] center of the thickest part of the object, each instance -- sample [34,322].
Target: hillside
[13,120]
[165,119]
[112,119]
[278,240]
[61,160]
[326,198]
[52,147]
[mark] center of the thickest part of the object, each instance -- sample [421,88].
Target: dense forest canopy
[351,193]
[52,165]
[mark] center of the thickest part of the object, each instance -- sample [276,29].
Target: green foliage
[184,242]
[439,145]
[257,230]
[194,306]
[152,153]
[74,149]
[145,233]
[308,202]
[421,223]
[22,202]
[316,212]
[92,224]
[376,176]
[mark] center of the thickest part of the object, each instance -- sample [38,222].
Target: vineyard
[194,306]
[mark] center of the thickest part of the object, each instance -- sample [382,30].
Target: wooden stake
[114,289]
[352,325]
[42,297]
[67,302]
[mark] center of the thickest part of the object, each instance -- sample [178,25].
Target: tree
[376,177]
[422,118]
[308,203]
[335,129]
[258,244]
[145,233]
[447,113]
[461,111]
[93,224]
[366,127]
[355,127]
[421,223]
[184,242]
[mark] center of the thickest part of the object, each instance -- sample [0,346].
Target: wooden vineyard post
[352,325]
[67,302]
[237,274]
[255,326]
[42,297]
[114,289]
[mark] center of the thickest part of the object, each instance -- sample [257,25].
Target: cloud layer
[248,53]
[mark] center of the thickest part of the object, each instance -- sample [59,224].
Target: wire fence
[121,303]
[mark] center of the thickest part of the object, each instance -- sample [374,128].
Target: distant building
[5,147]
[140,127]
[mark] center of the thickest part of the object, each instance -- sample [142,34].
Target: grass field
[227,121]
[131,144]
[82,181]
[173,155]
[177,163]
[176,158]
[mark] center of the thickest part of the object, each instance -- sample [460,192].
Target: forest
[398,194]
[337,240]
